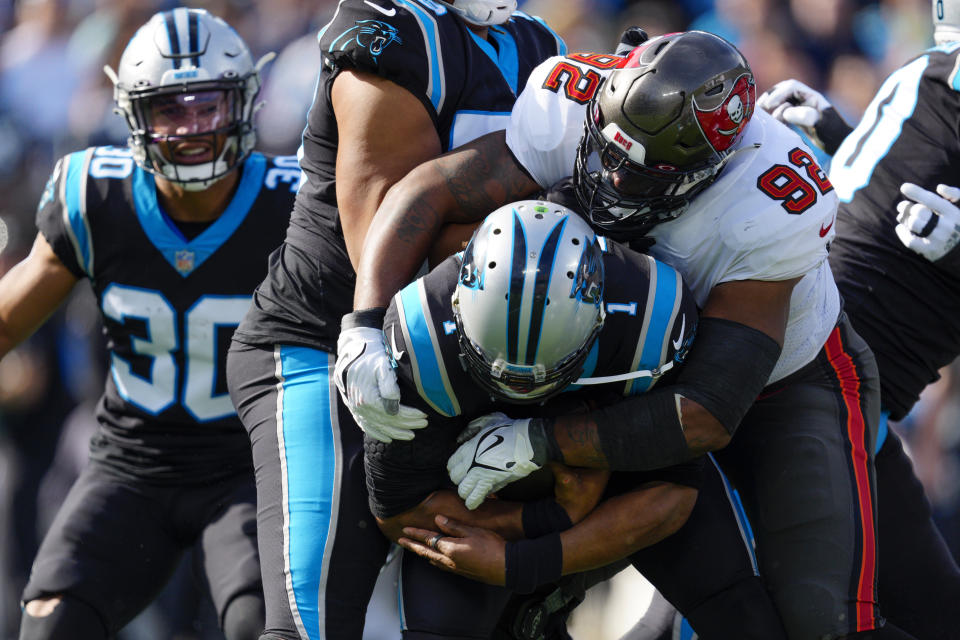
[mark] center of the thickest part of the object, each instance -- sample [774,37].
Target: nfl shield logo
[183,261]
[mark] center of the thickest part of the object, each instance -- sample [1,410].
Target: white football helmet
[528,301]
[483,12]
[191,65]
[946,21]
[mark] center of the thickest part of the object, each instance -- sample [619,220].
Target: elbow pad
[727,368]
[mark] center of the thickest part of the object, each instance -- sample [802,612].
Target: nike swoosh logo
[825,230]
[497,441]
[679,341]
[393,344]
[387,12]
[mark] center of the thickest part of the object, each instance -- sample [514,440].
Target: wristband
[371,318]
[541,517]
[544,443]
[531,563]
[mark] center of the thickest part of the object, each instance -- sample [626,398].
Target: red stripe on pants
[846,372]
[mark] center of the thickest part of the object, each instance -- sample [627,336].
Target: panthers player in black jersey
[173,233]
[402,81]
[905,304]
[536,311]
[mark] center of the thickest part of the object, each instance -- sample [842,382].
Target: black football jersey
[651,319]
[909,133]
[468,86]
[169,305]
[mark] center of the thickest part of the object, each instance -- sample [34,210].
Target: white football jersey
[769,215]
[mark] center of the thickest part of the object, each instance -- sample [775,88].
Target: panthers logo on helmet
[722,126]
[372,35]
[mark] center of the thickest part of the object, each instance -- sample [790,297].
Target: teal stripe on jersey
[664,304]
[76,216]
[424,356]
[436,89]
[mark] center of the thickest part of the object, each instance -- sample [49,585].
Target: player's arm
[618,527]
[385,131]
[793,102]
[461,186]
[739,339]
[576,493]
[30,292]
[738,342]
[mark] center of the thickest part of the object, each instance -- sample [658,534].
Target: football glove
[793,102]
[499,452]
[929,223]
[630,39]
[368,386]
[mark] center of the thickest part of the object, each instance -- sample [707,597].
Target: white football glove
[368,386]
[793,102]
[930,225]
[498,453]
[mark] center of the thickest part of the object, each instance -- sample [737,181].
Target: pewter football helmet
[483,12]
[192,62]
[660,128]
[946,21]
[528,301]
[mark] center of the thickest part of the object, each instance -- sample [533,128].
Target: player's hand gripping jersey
[467,85]
[910,133]
[170,304]
[768,216]
[651,320]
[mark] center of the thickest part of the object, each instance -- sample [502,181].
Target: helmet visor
[174,115]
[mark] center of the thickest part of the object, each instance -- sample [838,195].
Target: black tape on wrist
[727,368]
[371,318]
[831,129]
[541,517]
[532,563]
[545,447]
[642,432]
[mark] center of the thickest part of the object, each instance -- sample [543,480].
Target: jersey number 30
[201,323]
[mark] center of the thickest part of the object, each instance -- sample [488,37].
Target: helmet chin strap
[644,373]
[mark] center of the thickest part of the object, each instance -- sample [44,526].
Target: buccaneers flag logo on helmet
[722,126]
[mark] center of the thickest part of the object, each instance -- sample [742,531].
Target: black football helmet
[660,128]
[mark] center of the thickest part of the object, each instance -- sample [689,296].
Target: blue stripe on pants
[310,452]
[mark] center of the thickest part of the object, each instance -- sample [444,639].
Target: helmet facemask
[174,125]
[553,309]
[483,13]
[627,197]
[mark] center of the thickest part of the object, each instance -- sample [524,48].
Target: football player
[900,277]
[672,151]
[401,82]
[173,233]
[535,312]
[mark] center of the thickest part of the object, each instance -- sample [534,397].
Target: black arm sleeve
[726,369]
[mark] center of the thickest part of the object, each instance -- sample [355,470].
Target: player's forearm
[621,525]
[461,186]
[501,516]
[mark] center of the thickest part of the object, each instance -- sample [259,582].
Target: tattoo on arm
[483,179]
[578,439]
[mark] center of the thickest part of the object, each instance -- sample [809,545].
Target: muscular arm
[763,306]
[501,516]
[30,292]
[461,186]
[626,523]
[384,132]
[618,527]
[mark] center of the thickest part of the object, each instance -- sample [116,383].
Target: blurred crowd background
[54,98]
